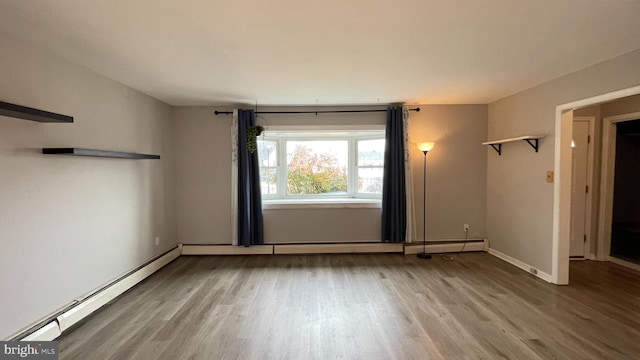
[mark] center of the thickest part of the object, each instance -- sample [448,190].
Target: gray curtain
[250,223]
[394,206]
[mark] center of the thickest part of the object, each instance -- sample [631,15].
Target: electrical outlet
[157,240]
[466,227]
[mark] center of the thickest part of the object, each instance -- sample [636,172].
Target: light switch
[549,176]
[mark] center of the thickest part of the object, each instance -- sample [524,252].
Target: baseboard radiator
[447,246]
[336,248]
[53,326]
[432,246]
[293,248]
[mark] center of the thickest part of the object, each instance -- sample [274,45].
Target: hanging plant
[252,134]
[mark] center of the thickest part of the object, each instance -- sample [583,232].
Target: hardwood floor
[365,307]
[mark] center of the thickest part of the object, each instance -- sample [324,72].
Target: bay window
[321,164]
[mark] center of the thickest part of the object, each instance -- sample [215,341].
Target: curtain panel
[246,204]
[398,219]
[408,172]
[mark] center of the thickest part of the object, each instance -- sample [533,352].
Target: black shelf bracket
[533,143]
[27,113]
[497,148]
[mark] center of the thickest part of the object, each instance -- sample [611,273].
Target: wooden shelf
[27,113]
[530,139]
[97,153]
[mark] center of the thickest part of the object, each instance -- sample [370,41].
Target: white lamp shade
[426,146]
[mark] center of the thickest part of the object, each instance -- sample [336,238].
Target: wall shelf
[97,153]
[530,139]
[27,113]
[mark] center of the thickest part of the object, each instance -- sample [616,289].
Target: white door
[579,168]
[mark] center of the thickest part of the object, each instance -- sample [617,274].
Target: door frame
[588,212]
[562,185]
[605,219]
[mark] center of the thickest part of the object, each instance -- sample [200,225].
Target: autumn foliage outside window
[316,172]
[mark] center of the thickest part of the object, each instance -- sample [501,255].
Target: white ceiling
[300,52]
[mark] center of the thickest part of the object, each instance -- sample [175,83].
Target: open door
[580,192]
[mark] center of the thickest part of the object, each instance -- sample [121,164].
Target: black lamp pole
[423,254]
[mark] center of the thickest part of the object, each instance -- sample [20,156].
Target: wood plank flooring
[365,307]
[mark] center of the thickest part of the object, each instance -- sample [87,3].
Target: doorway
[581,187]
[621,231]
[562,185]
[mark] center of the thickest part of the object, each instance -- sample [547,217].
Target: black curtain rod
[311,112]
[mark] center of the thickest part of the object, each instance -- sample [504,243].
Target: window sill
[322,204]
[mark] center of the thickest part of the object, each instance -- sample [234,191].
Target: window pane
[267,153]
[370,180]
[371,152]
[317,167]
[269,181]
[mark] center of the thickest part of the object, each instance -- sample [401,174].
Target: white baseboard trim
[445,246]
[517,263]
[337,248]
[190,249]
[624,263]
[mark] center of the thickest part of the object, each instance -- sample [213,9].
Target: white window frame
[352,134]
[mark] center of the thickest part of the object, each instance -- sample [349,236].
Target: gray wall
[519,201]
[68,224]
[625,105]
[456,178]
[456,170]
[203,175]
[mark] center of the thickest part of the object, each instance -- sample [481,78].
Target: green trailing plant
[252,137]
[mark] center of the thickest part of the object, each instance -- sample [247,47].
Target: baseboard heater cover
[447,246]
[202,249]
[96,301]
[45,333]
[312,248]
[52,327]
[336,248]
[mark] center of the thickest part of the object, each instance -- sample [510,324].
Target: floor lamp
[424,147]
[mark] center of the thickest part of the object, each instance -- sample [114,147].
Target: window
[321,164]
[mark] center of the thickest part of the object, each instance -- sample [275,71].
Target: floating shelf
[97,153]
[530,139]
[27,113]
